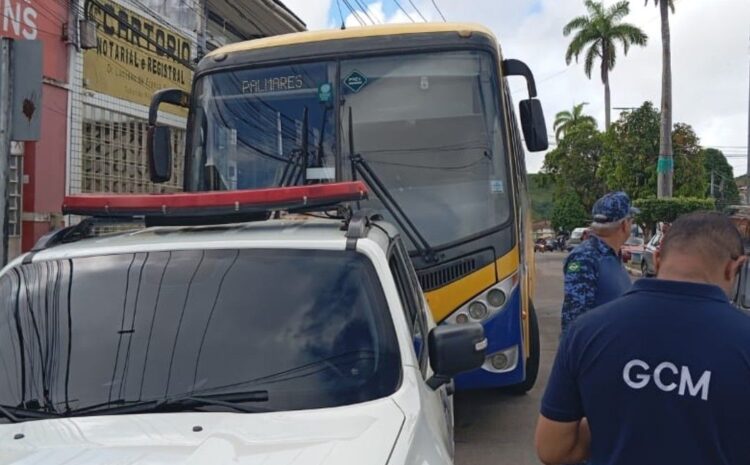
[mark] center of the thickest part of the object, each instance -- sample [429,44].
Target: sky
[710,57]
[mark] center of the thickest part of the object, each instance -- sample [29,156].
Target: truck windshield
[310,328]
[428,124]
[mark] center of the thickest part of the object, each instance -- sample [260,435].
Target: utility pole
[747,174]
[5,128]
[713,196]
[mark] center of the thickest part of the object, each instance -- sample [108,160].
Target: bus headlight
[502,361]
[496,298]
[491,301]
[477,310]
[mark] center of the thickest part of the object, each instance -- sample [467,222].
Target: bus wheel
[532,363]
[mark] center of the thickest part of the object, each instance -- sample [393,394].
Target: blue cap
[613,207]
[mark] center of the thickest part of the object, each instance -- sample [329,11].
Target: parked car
[576,237]
[632,250]
[234,343]
[648,264]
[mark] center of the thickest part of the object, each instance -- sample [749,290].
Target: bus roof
[352,33]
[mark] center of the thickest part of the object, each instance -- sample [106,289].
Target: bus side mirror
[159,153]
[159,137]
[532,117]
[533,125]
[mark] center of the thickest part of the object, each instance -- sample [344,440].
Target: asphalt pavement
[495,428]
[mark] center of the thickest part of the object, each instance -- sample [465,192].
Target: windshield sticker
[325,92]
[355,81]
[273,84]
[321,174]
[496,186]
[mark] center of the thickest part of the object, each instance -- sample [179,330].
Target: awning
[232,20]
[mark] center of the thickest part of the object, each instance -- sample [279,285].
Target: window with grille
[113,154]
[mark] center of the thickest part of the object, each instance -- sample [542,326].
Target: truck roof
[283,234]
[351,33]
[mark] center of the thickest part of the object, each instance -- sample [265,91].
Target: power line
[338,3]
[354,12]
[402,9]
[364,10]
[417,10]
[434,3]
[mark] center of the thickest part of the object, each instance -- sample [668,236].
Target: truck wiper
[361,167]
[296,168]
[232,400]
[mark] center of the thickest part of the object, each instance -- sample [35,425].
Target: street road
[493,428]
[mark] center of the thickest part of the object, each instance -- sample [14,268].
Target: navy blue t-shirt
[662,374]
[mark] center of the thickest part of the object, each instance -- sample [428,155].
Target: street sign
[26,90]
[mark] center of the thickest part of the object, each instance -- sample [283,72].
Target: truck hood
[362,434]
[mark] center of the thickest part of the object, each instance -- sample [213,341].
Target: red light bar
[231,204]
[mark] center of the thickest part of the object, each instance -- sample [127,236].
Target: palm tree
[566,120]
[665,168]
[597,37]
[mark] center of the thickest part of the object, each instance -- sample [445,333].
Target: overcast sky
[710,56]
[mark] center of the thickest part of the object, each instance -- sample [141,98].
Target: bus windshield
[428,124]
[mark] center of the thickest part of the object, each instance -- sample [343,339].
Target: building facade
[103,59]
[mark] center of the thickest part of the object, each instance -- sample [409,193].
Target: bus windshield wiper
[296,168]
[232,400]
[361,167]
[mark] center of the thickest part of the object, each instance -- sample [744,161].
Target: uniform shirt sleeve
[581,274]
[562,398]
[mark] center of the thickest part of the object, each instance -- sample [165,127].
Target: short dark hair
[711,235]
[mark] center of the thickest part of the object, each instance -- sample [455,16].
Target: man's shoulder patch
[574,266]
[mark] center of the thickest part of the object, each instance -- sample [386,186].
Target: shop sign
[135,56]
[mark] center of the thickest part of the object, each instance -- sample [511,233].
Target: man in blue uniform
[661,374]
[593,271]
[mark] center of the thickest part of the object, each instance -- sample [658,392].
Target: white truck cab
[275,342]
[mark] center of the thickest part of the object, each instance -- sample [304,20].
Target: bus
[423,114]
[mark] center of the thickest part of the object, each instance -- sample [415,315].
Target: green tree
[654,211]
[720,172]
[574,164]
[568,212]
[632,151]
[597,37]
[566,120]
[665,180]
[690,174]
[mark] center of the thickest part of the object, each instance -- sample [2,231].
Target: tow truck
[209,334]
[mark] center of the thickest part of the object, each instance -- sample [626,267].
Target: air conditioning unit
[87,33]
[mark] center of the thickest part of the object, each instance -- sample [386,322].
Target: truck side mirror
[533,125]
[159,137]
[532,117]
[455,349]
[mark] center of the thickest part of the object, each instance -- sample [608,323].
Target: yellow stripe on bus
[447,299]
[351,33]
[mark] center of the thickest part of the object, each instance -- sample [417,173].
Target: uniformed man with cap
[594,274]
